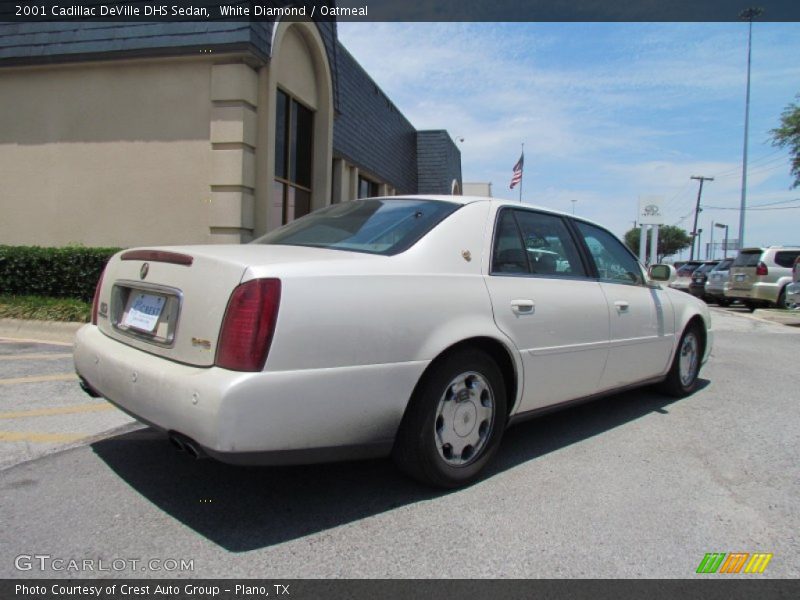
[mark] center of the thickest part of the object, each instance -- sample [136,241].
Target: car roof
[499,202]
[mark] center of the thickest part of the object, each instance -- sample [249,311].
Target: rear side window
[747,259]
[786,258]
[534,243]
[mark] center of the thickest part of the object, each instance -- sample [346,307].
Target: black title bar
[25,11]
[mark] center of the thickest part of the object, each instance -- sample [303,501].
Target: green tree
[788,136]
[671,240]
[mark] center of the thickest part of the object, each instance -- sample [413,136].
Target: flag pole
[522,153]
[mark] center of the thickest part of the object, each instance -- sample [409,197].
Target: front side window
[613,260]
[373,226]
[294,131]
[534,243]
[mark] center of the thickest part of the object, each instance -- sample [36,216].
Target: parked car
[759,276]
[684,275]
[697,287]
[717,282]
[416,327]
[793,289]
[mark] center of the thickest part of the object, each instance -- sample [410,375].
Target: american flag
[517,177]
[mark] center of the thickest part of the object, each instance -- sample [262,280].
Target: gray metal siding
[438,162]
[369,131]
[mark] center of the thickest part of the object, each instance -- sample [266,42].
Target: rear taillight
[96,299]
[761,269]
[796,269]
[249,323]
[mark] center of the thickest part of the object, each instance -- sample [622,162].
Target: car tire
[454,421]
[781,303]
[682,377]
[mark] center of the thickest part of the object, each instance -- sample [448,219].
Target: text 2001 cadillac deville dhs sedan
[416,327]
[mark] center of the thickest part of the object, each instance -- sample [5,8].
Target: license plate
[741,277]
[144,312]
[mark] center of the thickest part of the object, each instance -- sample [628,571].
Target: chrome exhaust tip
[177,443]
[192,450]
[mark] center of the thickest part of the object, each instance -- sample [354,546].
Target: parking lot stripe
[29,341]
[33,436]
[39,378]
[41,356]
[58,410]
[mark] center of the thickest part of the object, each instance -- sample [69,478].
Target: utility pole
[748,15]
[697,210]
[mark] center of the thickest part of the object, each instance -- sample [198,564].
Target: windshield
[376,226]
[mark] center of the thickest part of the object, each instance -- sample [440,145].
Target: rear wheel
[781,303]
[454,421]
[682,378]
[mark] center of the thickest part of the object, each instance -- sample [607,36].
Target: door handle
[622,306]
[522,306]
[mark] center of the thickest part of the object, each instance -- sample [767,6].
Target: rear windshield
[704,269]
[375,226]
[687,269]
[747,259]
[724,265]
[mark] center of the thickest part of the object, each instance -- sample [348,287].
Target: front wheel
[454,421]
[682,378]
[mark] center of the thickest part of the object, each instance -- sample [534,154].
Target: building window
[367,188]
[294,143]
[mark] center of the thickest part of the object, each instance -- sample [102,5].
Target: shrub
[69,272]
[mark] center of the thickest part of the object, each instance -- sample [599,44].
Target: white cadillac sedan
[420,327]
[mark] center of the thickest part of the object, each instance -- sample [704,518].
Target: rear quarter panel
[388,309]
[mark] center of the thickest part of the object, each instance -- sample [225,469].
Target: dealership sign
[650,210]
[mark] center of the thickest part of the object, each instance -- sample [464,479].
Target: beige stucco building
[193,136]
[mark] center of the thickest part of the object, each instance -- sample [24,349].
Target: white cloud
[607,111]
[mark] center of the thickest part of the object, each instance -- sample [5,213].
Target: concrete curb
[778,316]
[41,331]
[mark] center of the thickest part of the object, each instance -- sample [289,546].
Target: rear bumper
[759,292]
[266,417]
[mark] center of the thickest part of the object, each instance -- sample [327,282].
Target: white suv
[759,276]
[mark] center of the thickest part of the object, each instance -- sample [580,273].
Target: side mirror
[663,273]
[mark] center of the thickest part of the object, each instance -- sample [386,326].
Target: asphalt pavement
[634,485]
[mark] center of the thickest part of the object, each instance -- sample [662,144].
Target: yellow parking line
[39,379]
[43,356]
[58,410]
[29,341]
[32,436]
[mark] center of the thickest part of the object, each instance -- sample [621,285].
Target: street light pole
[725,243]
[710,249]
[748,15]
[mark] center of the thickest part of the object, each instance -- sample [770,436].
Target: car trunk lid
[743,271]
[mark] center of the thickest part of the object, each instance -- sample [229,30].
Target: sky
[608,112]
